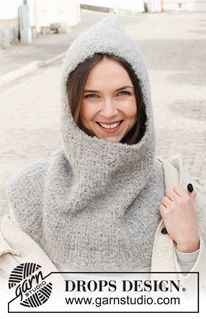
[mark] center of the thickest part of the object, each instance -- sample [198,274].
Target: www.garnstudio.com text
[142,300]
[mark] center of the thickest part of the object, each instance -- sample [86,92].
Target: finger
[166,202]
[180,191]
[162,210]
[193,196]
[191,192]
[173,196]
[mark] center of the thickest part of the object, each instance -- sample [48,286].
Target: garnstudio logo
[30,285]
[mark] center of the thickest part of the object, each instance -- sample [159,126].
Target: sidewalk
[19,60]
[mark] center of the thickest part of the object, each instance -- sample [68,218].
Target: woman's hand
[179,215]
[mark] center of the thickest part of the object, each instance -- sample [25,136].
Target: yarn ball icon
[30,285]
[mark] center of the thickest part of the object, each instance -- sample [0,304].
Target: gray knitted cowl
[94,204]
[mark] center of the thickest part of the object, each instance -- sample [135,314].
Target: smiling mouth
[110,126]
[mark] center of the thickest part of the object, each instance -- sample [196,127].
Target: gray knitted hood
[94,204]
[106,37]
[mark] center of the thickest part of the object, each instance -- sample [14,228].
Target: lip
[110,130]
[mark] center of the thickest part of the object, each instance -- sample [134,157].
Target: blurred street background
[173,43]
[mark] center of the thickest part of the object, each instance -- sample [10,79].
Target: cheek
[130,109]
[134,108]
[85,113]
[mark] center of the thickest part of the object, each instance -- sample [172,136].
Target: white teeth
[109,126]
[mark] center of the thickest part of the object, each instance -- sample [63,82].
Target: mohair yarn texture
[94,204]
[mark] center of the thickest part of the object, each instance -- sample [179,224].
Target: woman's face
[108,109]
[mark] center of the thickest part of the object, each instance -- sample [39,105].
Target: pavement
[174,50]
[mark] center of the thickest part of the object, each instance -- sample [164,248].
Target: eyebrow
[122,88]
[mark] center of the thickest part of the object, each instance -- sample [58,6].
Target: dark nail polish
[190,188]
[164,231]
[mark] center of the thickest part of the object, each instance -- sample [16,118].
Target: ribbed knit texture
[94,204]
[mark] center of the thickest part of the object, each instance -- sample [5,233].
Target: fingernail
[164,231]
[190,188]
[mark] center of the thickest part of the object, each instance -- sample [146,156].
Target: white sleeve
[186,260]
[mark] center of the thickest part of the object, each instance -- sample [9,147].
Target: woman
[97,203]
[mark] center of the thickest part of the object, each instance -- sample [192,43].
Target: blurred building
[184,5]
[115,6]
[44,16]
[139,6]
[47,16]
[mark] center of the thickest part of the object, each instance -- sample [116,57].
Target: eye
[91,96]
[124,93]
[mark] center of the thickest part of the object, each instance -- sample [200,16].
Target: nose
[108,109]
